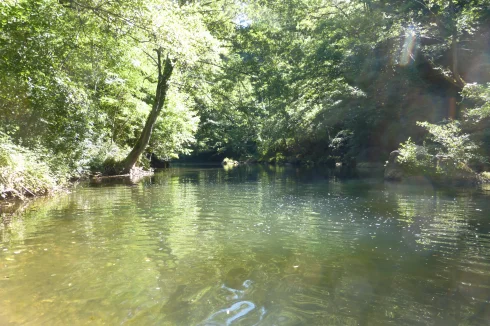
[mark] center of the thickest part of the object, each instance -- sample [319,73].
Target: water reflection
[249,246]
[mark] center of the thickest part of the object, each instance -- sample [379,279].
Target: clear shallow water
[249,246]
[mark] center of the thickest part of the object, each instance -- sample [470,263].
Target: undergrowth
[24,172]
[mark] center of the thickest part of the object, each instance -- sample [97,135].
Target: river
[252,245]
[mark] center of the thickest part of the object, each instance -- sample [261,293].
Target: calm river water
[249,246]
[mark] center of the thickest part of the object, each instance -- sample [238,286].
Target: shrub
[24,172]
[414,158]
[447,151]
[480,96]
[106,157]
[112,166]
[449,141]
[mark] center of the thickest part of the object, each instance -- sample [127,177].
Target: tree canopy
[306,81]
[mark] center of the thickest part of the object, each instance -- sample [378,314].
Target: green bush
[25,172]
[449,141]
[112,166]
[414,158]
[446,151]
[106,158]
[480,96]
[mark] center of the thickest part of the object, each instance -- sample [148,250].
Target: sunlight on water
[249,246]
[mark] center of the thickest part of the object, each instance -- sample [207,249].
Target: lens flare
[408,47]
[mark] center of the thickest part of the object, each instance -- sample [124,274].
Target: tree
[171,36]
[370,67]
[164,73]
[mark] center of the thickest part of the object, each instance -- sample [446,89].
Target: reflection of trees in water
[350,280]
[168,249]
[441,227]
[35,212]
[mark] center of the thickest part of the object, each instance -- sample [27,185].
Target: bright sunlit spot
[242,20]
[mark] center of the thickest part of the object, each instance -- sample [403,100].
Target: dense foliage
[343,79]
[78,78]
[306,81]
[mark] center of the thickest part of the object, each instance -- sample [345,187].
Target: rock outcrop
[393,170]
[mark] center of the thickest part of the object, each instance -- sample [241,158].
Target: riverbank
[440,171]
[27,172]
[12,195]
[30,180]
[13,205]
[391,171]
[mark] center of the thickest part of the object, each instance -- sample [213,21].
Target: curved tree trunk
[160,97]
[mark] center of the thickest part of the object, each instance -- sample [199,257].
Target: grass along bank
[26,173]
[36,171]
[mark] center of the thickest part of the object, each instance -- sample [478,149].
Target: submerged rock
[230,162]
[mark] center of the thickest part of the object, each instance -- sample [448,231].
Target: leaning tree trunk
[160,97]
